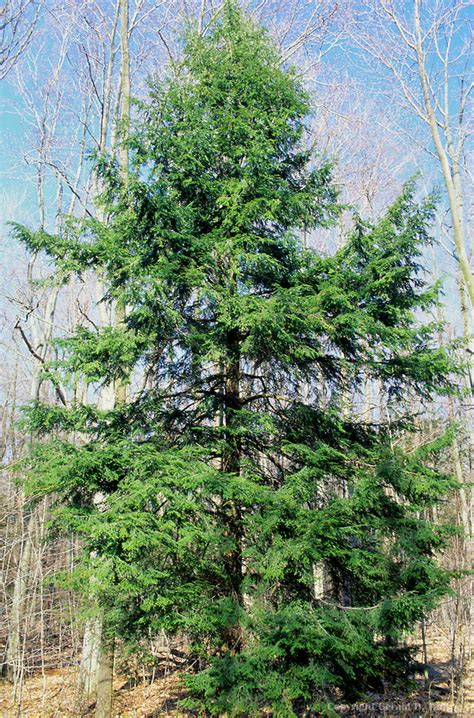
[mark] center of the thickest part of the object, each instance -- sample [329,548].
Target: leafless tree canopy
[18,22]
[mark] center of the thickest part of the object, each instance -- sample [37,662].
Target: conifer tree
[227,488]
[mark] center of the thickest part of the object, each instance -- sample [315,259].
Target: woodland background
[390,83]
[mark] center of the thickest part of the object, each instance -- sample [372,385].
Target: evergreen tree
[245,504]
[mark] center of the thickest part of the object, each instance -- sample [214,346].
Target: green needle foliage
[244,501]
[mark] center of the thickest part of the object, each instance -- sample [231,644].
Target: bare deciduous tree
[418,56]
[427,58]
[18,22]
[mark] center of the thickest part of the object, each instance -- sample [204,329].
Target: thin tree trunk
[125,87]
[14,657]
[451,173]
[41,337]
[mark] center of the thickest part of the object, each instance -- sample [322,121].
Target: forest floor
[52,694]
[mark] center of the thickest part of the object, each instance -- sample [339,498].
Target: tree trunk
[125,87]
[29,526]
[103,708]
[14,657]
[98,650]
[451,173]
[89,668]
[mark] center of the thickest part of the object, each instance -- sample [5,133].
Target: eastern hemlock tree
[245,504]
